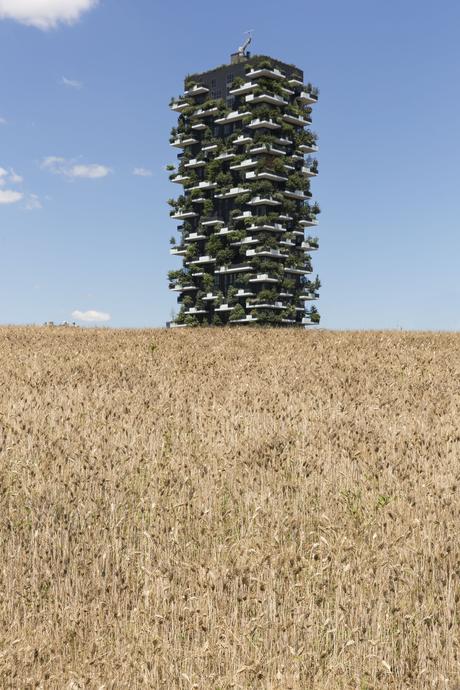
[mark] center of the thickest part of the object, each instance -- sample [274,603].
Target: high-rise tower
[243,132]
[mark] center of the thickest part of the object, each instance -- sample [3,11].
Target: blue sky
[84,104]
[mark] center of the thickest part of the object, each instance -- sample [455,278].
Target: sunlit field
[219,509]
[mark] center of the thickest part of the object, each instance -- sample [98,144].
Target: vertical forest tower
[245,163]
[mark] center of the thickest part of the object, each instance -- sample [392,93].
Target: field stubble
[229,509]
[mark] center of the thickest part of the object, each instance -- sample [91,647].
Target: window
[230,77]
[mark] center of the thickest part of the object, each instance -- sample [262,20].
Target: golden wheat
[220,509]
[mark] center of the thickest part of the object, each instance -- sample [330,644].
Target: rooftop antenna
[242,50]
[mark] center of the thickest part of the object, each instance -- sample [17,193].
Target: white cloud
[71,83]
[15,178]
[45,14]
[142,172]
[8,196]
[33,202]
[91,316]
[9,176]
[73,170]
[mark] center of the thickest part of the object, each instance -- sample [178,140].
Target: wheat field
[218,509]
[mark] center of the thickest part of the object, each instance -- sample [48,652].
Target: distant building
[243,133]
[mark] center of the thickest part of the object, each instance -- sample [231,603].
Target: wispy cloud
[71,83]
[33,202]
[3,121]
[15,178]
[91,316]
[9,196]
[142,172]
[74,170]
[45,14]
[9,176]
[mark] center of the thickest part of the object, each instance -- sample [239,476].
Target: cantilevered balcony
[263,201]
[248,319]
[265,175]
[263,124]
[245,241]
[183,288]
[225,156]
[263,278]
[297,120]
[181,179]
[308,148]
[178,251]
[243,215]
[248,163]
[242,139]
[234,268]
[297,194]
[206,112]
[258,73]
[306,246]
[232,117]
[306,321]
[196,90]
[244,88]
[282,141]
[199,126]
[308,296]
[179,106]
[194,310]
[224,307]
[209,297]
[308,171]
[203,185]
[267,149]
[194,237]
[297,271]
[203,260]
[182,142]
[308,98]
[308,223]
[271,253]
[266,305]
[275,227]
[194,163]
[295,82]
[212,221]
[184,215]
[210,147]
[270,98]
[234,191]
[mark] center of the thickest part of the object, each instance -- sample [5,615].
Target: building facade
[245,162]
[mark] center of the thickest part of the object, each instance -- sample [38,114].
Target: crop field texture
[221,509]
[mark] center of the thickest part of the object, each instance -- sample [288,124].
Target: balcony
[266,98]
[297,120]
[194,237]
[249,319]
[224,231]
[306,170]
[292,322]
[181,143]
[232,117]
[245,214]
[179,325]
[199,126]
[178,251]
[180,179]
[265,176]
[234,191]
[242,139]
[267,149]
[179,106]
[211,147]
[184,288]
[209,297]
[196,90]
[308,148]
[306,321]
[309,296]
[295,82]
[263,278]
[194,310]
[306,246]
[308,223]
[194,163]
[297,271]
[283,141]
[245,88]
[263,201]
[246,240]
[267,124]
[212,221]
[240,268]
[224,307]
[248,163]
[206,113]
[308,98]
[271,253]
[297,194]
[203,260]
[276,227]
[203,185]
[265,72]
[266,305]
[225,156]
[184,215]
